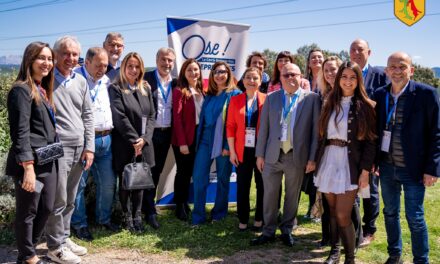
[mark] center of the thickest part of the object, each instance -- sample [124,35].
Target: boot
[181,212]
[137,223]
[335,254]
[128,222]
[348,238]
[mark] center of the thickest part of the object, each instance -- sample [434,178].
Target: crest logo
[409,11]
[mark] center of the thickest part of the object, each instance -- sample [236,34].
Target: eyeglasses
[116,45]
[288,75]
[220,72]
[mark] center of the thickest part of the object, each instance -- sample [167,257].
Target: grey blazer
[305,131]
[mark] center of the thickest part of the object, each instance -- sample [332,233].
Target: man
[287,142]
[161,84]
[94,72]
[259,61]
[74,127]
[114,45]
[374,78]
[408,127]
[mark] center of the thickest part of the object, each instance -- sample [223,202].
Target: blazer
[361,153]
[31,126]
[374,79]
[184,119]
[236,121]
[150,77]
[305,134]
[127,112]
[420,128]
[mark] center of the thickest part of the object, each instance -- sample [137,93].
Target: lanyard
[165,97]
[390,113]
[249,111]
[96,90]
[286,110]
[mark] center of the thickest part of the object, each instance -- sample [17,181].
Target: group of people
[336,130]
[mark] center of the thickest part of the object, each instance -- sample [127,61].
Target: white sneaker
[76,249]
[63,255]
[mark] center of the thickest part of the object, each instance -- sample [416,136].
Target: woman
[241,129]
[346,153]
[315,59]
[133,119]
[283,58]
[187,104]
[212,144]
[32,125]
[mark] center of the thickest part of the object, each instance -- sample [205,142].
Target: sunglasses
[220,72]
[288,75]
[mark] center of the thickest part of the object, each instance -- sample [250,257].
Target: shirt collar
[168,79]
[396,96]
[63,79]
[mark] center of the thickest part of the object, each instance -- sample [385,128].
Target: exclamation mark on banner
[227,45]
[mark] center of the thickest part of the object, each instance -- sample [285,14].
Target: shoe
[111,227]
[40,261]
[287,239]
[128,222]
[366,240]
[76,249]
[261,240]
[242,229]
[82,233]
[348,238]
[335,253]
[138,224]
[63,255]
[323,243]
[257,229]
[394,260]
[152,221]
[181,213]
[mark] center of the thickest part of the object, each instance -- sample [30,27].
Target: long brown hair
[182,82]
[364,107]
[25,73]
[276,72]
[309,75]
[212,86]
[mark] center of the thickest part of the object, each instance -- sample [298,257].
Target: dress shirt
[164,110]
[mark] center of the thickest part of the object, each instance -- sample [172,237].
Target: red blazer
[184,119]
[235,123]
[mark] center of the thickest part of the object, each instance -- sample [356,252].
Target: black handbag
[49,153]
[137,176]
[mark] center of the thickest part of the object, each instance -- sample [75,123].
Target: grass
[221,239]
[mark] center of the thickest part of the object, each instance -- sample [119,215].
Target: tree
[425,75]
[271,57]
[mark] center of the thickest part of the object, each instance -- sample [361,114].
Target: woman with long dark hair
[346,153]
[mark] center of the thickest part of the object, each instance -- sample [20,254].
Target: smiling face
[42,65]
[359,52]
[165,63]
[315,61]
[252,80]
[348,82]
[192,73]
[257,62]
[67,57]
[330,70]
[132,70]
[97,66]
[114,47]
[220,76]
[290,77]
[399,69]
[283,61]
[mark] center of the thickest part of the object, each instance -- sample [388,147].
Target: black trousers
[33,209]
[244,178]
[185,166]
[161,145]
[127,196]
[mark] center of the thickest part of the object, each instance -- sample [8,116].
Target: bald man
[408,154]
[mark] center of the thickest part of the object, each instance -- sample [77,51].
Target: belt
[337,142]
[102,133]
[163,128]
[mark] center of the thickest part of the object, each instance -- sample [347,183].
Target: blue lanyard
[91,88]
[286,111]
[249,113]
[165,98]
[390,113]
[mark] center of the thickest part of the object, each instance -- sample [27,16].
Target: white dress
[333,175]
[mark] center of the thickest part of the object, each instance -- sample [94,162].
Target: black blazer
[127,111]
[374,79]
[420,128]
[150,77]
[361,153]
[31,126]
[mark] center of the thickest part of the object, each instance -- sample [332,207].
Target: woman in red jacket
[241,129]
[187,103]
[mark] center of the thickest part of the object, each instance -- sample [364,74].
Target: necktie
[286,145]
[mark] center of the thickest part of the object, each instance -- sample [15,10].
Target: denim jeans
[392,179]
[105,180]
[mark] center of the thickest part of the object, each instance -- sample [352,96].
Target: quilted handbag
[49,153]
[137,176]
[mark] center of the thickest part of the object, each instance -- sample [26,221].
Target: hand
[225,152]
[375,171]
[364,179]
[233,158]
[184,150]
[311,166]
[140,142]
[429,180]
[260,164]
[87,155]
[29,178]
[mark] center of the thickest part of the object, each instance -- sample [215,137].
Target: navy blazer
[374,79]
[150,77]
[420,130]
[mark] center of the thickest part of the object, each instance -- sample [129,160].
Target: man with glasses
[114,45]
[287,142]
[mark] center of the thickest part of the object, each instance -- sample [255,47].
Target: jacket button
[349,141]
[349,131]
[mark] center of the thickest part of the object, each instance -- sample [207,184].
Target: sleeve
[433,154]
[228,101]
[231,123]
[87,117]
[151,122]
[368,155]
[178,129]
[263,131]
[315,126]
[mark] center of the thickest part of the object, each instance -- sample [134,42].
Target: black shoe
[82,233]
[181,212]
[111,227]
[187,209]
[394,260]
[128,222]
[138,225]
[152,221]
[261,240]
[287,239]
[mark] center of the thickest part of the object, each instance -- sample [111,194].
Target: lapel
[49,111]
[409,103]
[300,106]
[367,80]
[138,96]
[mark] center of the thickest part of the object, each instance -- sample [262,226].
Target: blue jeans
[392,179]
[202,166]
[105,180]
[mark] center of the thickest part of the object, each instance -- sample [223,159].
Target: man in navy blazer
[408,127]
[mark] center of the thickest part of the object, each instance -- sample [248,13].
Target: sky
[275,24]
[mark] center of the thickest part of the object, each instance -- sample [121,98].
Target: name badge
[250,137]
[284,131]
[386,140]
[144,124]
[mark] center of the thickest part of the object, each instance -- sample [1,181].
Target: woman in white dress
[346,153]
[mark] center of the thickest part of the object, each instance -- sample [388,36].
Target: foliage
[425,75]
[6,81]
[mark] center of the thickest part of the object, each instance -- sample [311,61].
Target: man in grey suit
[287,142]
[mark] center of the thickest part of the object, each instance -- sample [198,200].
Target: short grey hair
[111,35]
[165,50]
[92,52]
[62,42]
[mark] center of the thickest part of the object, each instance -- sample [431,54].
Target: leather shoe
[261,240]
[181,212]
[82,233]
[287,239]
[152,221]
[111,227]
[394,260]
